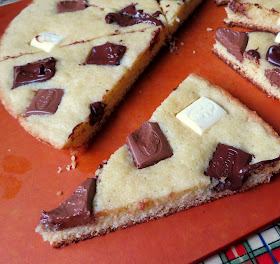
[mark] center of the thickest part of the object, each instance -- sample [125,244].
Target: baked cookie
[255,55]
[261,15]
[92,78]
[192,150]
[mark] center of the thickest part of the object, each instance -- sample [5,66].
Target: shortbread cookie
[167,166]
[261,15]
[79,25]
[81,82]
[255,55]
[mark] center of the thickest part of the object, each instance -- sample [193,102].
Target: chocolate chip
[129,16]
[253,55]
[38,71]
[45,102]
[155,39]
[273,55]
[225,165]
[148,145]
[97,112]
[235,42]
[76,210]
[71,6]
[107,54]
[273,76]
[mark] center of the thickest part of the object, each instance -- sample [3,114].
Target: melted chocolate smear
[97,112]
[235,42]
[129,16]
[71,6]
[45,102]
[155,39]
[273,76]
[273,55]
[38,71]
[253,55]
[107,54]
[76,210]
[148,145]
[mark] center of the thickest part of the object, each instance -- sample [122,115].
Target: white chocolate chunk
[46,41]
[201,114]
[277,39]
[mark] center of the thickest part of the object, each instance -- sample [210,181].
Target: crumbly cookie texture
[254,14]
[253,64]
[126,195]
[83,84]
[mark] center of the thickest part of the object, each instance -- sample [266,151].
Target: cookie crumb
[59,193]
[194,52]
[73,162]
[172,46]
[9,149]
[182,43]
[68,167]
[177,19]
[209,29]
[59,170]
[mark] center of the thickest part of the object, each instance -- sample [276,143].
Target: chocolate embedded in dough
[97,110]
[129,16]
[71,6]
[45,102]
[76,210]
[253,55]
[106,54]
[235,42]
[148,145]
[273,55]
[38,71]
[273,76]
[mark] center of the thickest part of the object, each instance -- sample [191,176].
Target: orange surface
[29,180]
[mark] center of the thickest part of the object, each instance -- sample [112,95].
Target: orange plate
[29,180]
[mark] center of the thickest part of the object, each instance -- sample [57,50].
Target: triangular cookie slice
[176,12]
[255,55]
[254,14]
[63,97]
[200,144]
[76,24]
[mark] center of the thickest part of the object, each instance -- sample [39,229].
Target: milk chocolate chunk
[76,210]
[273,76]
[235,42]
[253,55]
[97,110]
[38,71]
[148,145]
[71,6]
[225,166]
[106,54]
[45,102]
[129,16]
[273,55]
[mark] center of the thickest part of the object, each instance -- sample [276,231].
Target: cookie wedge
[166,166]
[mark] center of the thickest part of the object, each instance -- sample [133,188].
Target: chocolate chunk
[148,145]
[273,76]
[45,102]
[129,16]
[96,112]
[71,6]
[225,165]
[235,42]
[38,71]
[106,54]
[76,210]
[253,55]
[273,55]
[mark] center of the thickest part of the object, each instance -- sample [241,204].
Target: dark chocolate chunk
[225,165]
[253,55]
[148,145]
[106,54]
[71,6]
[235,42]
[97,110]
[38,71]
[273,55]
[273,76]
[45,102]
[76,210]
[129,16]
